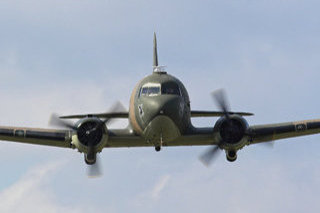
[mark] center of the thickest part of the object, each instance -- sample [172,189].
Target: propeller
[56,121]
[219,96]
[94,169]
[117,107]
[210,155]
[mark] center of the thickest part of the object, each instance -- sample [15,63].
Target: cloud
[150,196]
[264,186]
[32,194]
[160,185]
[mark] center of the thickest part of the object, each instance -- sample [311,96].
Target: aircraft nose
[169,105]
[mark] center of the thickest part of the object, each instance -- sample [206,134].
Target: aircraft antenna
[155,52]
[156,67]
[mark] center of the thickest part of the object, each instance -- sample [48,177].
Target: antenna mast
[156,67]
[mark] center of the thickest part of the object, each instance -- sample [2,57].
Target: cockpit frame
[155,89]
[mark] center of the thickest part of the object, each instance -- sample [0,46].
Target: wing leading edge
[98,115]
[271,132]
[194,113]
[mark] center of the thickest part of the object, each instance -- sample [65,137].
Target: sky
[81,56]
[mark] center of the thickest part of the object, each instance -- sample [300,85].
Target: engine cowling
[231,155]
[231,132]
[90,130]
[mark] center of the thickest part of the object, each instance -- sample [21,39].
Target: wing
[98,115]
[196,113]
[48,137]
[126,138]
[196,137]
[270,132]
[117,137]
[63,138]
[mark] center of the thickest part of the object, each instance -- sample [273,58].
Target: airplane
[159,116]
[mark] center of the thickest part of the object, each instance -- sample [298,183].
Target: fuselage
[160,108]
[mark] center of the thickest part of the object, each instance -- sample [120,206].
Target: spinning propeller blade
[209,156]
[219,97]
[56,121]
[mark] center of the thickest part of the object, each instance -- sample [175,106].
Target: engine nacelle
[232,132]
[231,155]
[90,130]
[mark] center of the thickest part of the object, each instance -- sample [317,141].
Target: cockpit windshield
[150,90]
[154,89]
[170,88]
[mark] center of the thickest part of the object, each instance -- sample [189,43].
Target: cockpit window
[170,89]
[154,89]
[150,89]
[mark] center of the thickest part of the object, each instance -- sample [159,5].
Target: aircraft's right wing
[39,136]
[98,115]
[271,132]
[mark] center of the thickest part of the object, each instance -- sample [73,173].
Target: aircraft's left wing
[271,132]
[197,113]
[48,137]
